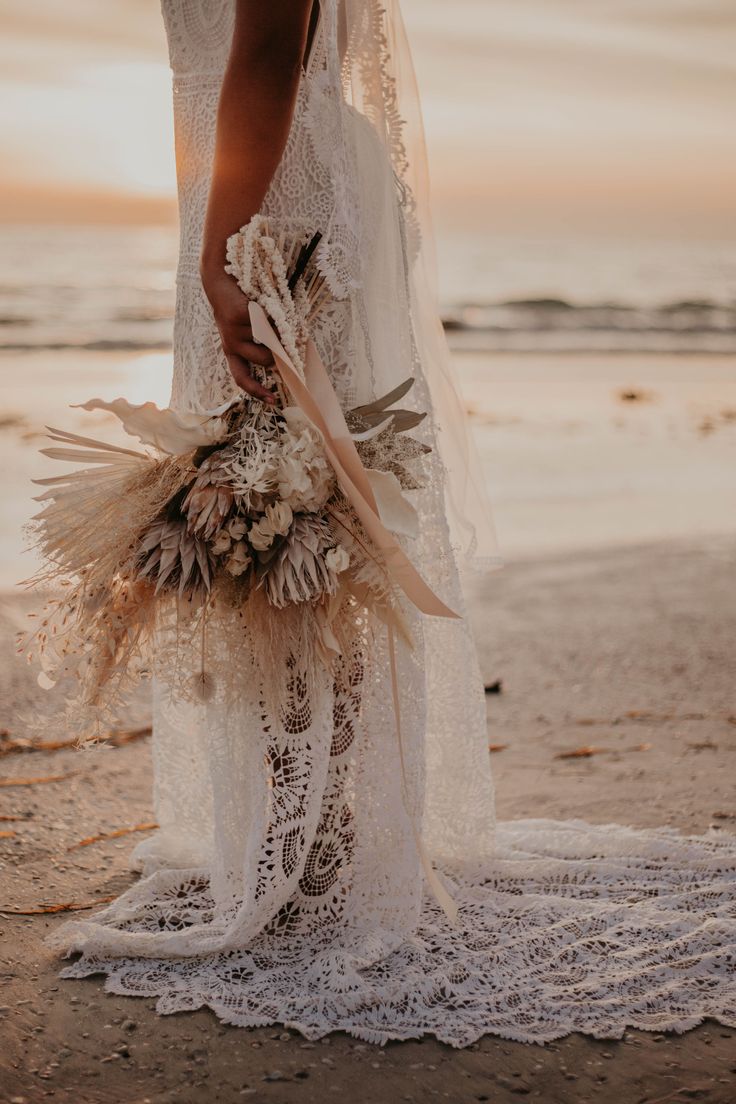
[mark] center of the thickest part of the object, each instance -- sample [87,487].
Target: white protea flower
[210,499]
[173,558]
[297,570]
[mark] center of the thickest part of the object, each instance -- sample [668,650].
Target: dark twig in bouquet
[303,259]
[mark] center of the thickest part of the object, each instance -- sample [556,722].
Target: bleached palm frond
[90,516]
[97,447]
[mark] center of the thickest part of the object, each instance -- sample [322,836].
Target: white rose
[239,560]
[304,477]
[237,528]
[222,542]
[337,559]
[261,535]
[280,516]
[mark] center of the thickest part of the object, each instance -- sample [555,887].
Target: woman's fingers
[241,373]
[250,350]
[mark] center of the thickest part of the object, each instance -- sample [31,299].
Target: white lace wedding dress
[284,884]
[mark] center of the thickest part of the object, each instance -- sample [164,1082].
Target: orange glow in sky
[548,111]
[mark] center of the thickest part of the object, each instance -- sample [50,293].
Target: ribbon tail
[327,417]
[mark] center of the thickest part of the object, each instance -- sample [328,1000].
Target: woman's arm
[256,105]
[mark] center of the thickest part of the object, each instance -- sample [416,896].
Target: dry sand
[626,651]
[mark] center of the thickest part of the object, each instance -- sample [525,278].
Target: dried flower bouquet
[238,508]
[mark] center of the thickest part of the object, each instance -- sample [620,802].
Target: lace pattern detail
[573,928]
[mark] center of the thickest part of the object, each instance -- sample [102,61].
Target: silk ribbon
[317,399]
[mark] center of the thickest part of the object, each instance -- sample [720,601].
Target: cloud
[539,106]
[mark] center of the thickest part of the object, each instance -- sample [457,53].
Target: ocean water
[112,289]
[600,380]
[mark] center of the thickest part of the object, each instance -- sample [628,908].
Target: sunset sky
[590,115]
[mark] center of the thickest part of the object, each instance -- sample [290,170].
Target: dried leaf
[126,736]
[404,420]
[5,819]
[396,512]
[68,438]
[385,400]
[167,430]
[497,747]
[650,715]
[66,906]
[580,753]
[115,739]
[6,782]
[116,834]
[14,746]
[7,835]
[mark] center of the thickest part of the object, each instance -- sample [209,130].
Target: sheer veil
[370,47]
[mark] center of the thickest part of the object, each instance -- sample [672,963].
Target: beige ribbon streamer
[316,397]
[442,897]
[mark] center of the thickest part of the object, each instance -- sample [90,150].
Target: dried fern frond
[379,432]
[397,453]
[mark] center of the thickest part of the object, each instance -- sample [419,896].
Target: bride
[333,863]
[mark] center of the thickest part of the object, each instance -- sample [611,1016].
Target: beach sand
[580,451]
[611,631]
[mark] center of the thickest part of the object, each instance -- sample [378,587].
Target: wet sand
[580,451]
[623,654]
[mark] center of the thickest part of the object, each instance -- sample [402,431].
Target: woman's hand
[230,308]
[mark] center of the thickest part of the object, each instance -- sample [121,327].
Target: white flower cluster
[304,476]
[275,467]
